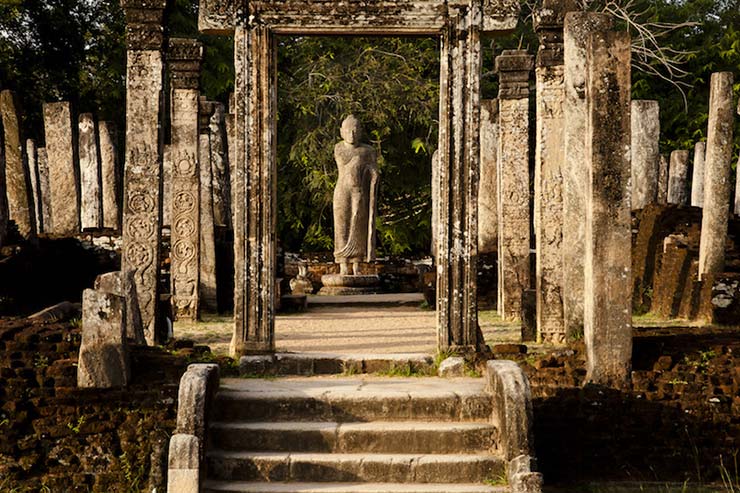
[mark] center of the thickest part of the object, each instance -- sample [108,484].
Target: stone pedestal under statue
[355,206]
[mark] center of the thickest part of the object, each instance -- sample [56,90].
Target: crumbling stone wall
[70,439]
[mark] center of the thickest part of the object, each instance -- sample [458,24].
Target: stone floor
[348,329]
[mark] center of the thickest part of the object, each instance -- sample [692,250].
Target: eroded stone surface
[183,471]
[3,198]
[42,161]
[488,186]
[32,160]
[110,174]
[697,175]
[17,179]
[663,180]
[207,277]
[717,175]
[220,167]
[577,27]
[60,151]
[645,152]
[513,67]
[608,288]
[123,285]
[678,178]
[90,180]
[104,359]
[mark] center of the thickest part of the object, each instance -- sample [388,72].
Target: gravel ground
[338,329]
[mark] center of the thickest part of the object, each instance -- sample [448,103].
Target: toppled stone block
[104,358]
[59,313]
[452,367]
[183,475]
[124,285]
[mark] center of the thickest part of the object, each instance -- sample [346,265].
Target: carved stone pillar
[208,283]
[513,67]
[142,205]
[91,207]
[459,158]
[254,189]
[110,173]
[678,178]
[697,175]
[64,206]
[184,59]
[548,181]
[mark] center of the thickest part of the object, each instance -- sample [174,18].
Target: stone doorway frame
[255,24]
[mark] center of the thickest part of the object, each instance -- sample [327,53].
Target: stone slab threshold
[308,364]
[377,300]
[250,487]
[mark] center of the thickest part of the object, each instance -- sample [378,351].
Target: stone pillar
[608,279]
[63,175]
[436,203]
[90,204]
[32,158]
[697,176]
[678,178]
[549,161]
[183,464]
[207,284]
[44,189]
[167,187]
[142,205]
[17,179]
[717,176]
[577,27]
[110,174]
[220,166]
[231,145]
[488,185]
[645,152]
[184,58]
[513,67]
[4,213]
[663,180]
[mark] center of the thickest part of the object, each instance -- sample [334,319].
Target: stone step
[308,364]
[353,399]
[393,468]
[374,437]
[247,487]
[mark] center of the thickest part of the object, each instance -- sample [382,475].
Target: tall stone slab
[4,213]
[91,207]
[717,176]
[513,68]
[17,176]
[549,162]
[678,178]
[142,205]
[167,187]
[32,158]
[663,180]
[220,166]
[44,189]
[231,146]
[488,185]
[207,283]
[608,280]
[645,152]
[577,28]
[110,172]
[63,173]
[184,58]
[697,175]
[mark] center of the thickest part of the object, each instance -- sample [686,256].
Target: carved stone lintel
[513,68]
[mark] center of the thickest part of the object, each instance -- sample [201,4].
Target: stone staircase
[354,435]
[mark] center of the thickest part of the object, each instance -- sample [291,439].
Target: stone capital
[548,24]
[513,68]
[184,57]
[144,23]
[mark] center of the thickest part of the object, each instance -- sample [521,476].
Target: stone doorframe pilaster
[255,24]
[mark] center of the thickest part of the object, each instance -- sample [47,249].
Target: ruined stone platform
[308,364]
